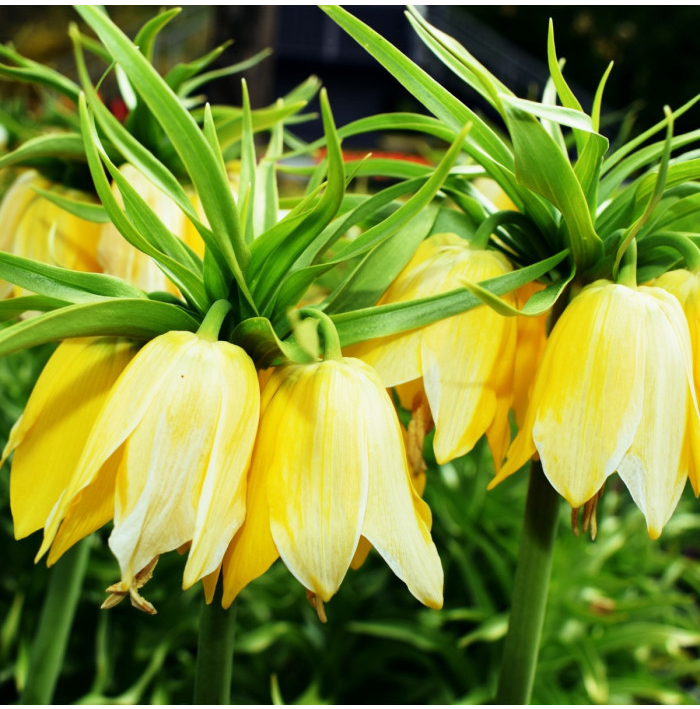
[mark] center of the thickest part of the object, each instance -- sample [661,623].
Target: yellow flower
[173,442]
[329,468]
[531,339]
[33,227]
[613,393]
[119,258]
[466,361]
[49,437]
[685,285]
[494,193]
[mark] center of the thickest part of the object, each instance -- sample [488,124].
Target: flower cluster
[196,404]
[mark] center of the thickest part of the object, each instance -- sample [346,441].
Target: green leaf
[368,208]
[146,37]
[63,283]
[566,95]
[248,168]
[12,308]
[141,319]
[598,98]
[179,274]
[186,70]
[202,164]
[187,87]
[557,114]
[654,198]
[138,155]
[266,207]
[276,268]
[459,60]
[229,120]
[641,158]
[588,166]
[296,283]
[633,144]
[541,166]
[433,96]
[537,304]
[89,211]
[258,338]
[368,323]
[378,269]
[32,72]
[150,224]
[53,145]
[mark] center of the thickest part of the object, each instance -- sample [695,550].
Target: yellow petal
[252,551]
[361,554]
[166,458]
[531,340]
[466,360]
[49,234]
[221,504]
[54,427]
[397,521]
[317,482]
[655,466]
[124,408]
[685,286]
[89,510]
[13,209]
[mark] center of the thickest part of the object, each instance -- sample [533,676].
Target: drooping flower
[173,441]
[329,468]
[466,361]
[33,227]
[49,437]
[685,285]
[613,393]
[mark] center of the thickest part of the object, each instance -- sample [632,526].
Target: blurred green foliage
[623,623]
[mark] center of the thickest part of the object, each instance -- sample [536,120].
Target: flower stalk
[217,628]
[529,590]
[213,320]
[55,624]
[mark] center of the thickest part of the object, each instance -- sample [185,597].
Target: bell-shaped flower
[685,285]
[33,227]
[329,468]
[614,392]
[173,440]
[466,361]
[49,437]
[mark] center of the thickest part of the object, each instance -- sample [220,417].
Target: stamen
[419,426]
[574,521]
[317,604]
[590,520]
[120,590]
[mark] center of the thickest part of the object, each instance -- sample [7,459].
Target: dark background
[655,50]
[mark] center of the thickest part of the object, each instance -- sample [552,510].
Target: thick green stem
[56,620]
[211,325]
[331,341]
[529,591]
[627,275]
[217,627]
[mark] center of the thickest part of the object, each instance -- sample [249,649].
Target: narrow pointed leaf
[63,283]
[141,319]
[368,323]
